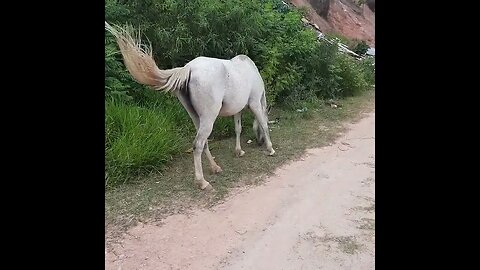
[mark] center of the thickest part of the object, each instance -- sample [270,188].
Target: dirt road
[315,213]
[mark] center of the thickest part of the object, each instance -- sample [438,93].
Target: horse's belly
[229,109]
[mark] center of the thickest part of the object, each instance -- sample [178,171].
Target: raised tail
[139,61]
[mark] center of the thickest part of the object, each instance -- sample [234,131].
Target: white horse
[207,88]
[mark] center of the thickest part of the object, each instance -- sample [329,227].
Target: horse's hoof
[208,188]
[204,185]
[272,152]
[216,169]
[240,153]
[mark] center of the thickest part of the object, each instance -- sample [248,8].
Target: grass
[137,138]
[152,197]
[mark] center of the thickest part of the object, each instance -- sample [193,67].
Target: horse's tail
[139,61]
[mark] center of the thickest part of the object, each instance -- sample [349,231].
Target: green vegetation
[361,48]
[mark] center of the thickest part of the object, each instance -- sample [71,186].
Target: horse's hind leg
[256,108]
[258,133]
[196,121]
[238,130]
[204,130]
[213,165]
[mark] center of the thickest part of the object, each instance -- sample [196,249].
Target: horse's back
[232,82]
[240,65]
[246,70]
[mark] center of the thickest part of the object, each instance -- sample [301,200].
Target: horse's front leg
[238,130]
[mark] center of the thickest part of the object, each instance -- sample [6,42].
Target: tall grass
[137,139]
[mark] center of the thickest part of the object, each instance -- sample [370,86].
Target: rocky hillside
[354,19]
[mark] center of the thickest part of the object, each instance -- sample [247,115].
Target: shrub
[361,48]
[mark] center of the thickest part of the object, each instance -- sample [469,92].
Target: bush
[273,36]
[367,66]
[361,48]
